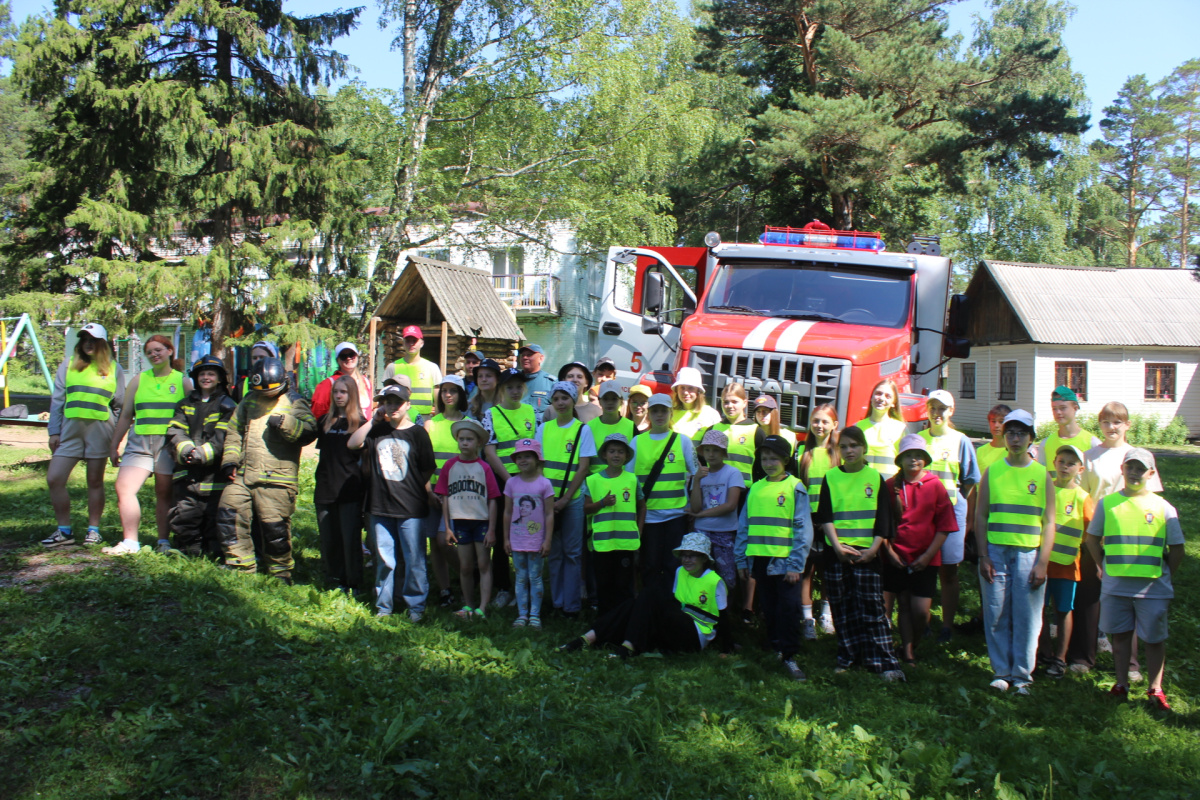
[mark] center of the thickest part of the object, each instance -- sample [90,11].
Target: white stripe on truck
[757,338]
[789,342]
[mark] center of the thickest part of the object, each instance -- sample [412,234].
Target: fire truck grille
[798,383]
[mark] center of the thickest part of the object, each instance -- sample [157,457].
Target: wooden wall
[991,317]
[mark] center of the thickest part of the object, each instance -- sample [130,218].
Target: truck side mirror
[956,347]
[653,291]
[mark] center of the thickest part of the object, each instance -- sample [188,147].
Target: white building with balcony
[553,291]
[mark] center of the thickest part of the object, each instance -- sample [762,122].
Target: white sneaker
[827,624]
[503,598]
[1135,676]
[92,537]
[810,630]
[125,548]
[892,675]
[1103,644]
[999,684]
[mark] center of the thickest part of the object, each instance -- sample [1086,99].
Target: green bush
[1144,429]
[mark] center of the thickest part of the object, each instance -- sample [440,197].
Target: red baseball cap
[413,331]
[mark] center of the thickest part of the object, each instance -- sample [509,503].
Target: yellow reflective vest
[421,374]
[88,393]
[1068,524]
[741,446]
[855,500]
[1135,535]
[1016,502]
[445,447]
[601,430]
[698,598]
[510,426]
[818,465]
[154,402]
[882,439]
[771,517]
[670,490]
[614,527]
[560,456]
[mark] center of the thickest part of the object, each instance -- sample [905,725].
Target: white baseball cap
[95,329]
[1022,416]
[660,400]
[337,351]
[942,396]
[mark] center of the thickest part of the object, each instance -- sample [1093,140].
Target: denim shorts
[470,531]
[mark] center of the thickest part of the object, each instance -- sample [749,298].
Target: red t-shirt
[922,511]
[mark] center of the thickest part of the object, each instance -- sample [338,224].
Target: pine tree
[191,123]
[868,106]
[1135,134]
[1181,102]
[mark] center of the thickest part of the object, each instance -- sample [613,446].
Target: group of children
[717,510]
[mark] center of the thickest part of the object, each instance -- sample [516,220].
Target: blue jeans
[566,557]
[386,534]
[529,583]
[1012,613]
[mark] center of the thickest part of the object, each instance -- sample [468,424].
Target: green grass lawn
[161,677]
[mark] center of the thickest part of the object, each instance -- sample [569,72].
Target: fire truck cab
[808,316]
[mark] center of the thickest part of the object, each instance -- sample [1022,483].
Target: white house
[553,292]
[1131,335]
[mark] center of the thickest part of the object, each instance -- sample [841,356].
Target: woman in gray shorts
[154,395]
[88,394]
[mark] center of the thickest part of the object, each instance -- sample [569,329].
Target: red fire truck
[807,315]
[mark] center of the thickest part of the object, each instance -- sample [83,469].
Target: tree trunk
[223,219]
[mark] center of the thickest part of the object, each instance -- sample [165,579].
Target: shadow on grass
[154,676]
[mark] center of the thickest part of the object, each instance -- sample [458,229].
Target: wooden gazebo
[456,308]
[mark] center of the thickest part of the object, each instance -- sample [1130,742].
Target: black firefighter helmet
[267,377]
[209,362]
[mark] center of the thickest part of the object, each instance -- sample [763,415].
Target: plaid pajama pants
[864,636]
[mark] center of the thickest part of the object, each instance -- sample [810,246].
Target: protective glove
[228,472]
[185,453]
[275,420]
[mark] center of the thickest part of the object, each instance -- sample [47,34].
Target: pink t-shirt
[467,485]
[529,499]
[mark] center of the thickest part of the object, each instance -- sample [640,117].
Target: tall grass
[167,677]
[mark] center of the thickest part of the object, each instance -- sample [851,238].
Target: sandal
[466,612]
[520,622]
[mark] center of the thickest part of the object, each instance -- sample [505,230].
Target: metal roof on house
[1102,305]
[463,296]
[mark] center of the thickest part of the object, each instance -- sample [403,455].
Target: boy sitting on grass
[1136,535]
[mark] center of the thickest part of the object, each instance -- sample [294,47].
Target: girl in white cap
[88,395]
[954,463]
[691,414]
[450,402]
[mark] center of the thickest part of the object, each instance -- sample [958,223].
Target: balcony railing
[528,294]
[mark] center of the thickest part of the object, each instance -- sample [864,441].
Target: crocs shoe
[1158,699]
[126,547]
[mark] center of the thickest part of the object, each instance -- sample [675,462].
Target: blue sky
[1108,40]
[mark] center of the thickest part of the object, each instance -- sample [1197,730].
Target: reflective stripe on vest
[557,446]
[818,465]
[155,401]
[1016,502]
[882,438]
[741,446]
[698,598]
[600,430]
[614,527]
[855,499]
[445,446]
[510,426]
[670,490]
[771,514]
[1068,524]
[420,374]
[1135,535]
[945,466]
[687,423]
[88,393]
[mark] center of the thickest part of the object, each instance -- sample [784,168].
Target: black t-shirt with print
[397,465]
[339,478]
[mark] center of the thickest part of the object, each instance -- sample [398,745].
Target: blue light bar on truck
[818,234]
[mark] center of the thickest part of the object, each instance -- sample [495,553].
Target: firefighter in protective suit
[196,438]
[261,463]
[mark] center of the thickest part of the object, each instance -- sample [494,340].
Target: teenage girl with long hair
[338,489]
[450,403]
[820,455]
[156,392]
[88,395]
[884,427]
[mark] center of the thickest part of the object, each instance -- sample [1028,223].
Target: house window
[1073,375]
[508,265]
[966,389]
[1008,381]
[1160,381]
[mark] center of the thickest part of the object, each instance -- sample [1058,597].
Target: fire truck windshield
[819,291]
